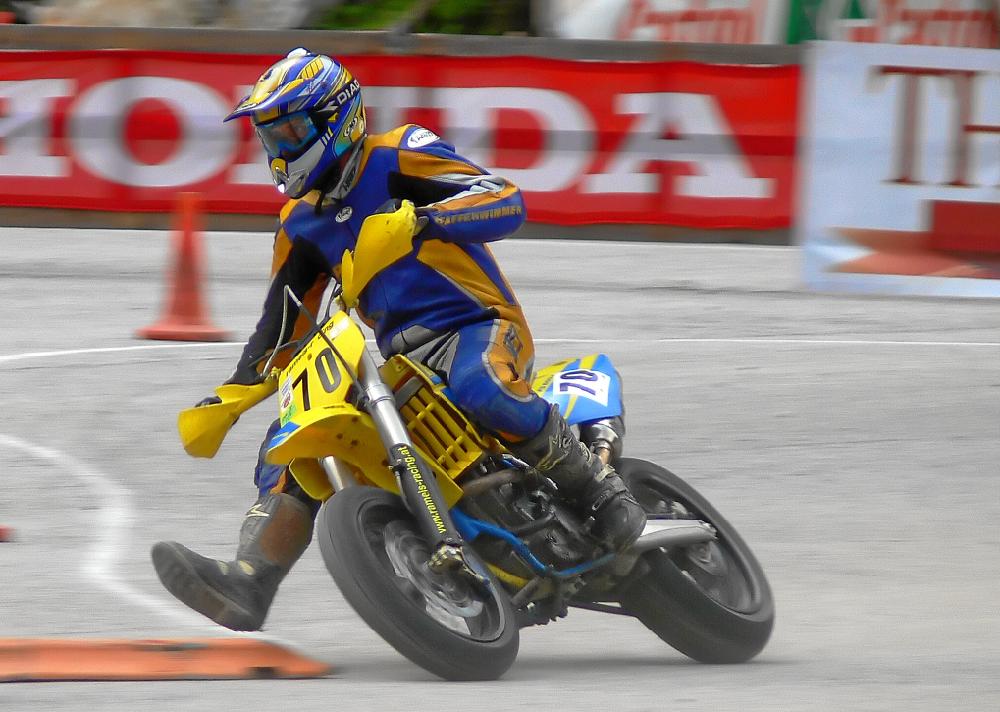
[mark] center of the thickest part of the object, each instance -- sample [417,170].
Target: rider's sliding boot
[237,594]
[595,488]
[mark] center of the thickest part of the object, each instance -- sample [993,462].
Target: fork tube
[416,480]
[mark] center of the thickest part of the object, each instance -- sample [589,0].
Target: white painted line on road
[114,349]
[590,340]
[115,514]
[735,340]
[114,520]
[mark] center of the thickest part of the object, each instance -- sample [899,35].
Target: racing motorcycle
[443,541]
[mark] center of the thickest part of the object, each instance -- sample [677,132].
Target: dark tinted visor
[288,136]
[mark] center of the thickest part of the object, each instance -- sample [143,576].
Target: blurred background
[679,119]
[807,330]
[736,21]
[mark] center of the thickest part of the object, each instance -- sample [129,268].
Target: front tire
[373,550]
[710,601]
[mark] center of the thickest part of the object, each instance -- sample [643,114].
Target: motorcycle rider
[446,304]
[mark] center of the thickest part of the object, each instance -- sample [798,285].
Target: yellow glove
[384,239]
[204,427]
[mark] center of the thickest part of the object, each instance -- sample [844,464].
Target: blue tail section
[585,389]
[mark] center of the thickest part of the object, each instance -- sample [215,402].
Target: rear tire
[711,603]
[371,547]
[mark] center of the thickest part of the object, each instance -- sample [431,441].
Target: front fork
[417,483]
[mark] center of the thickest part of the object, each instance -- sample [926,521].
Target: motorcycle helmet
[308,113]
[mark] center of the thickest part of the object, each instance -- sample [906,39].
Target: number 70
[327,371]
[576,379]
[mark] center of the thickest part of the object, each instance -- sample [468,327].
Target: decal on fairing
[585,389]
[282,434]
[286,404]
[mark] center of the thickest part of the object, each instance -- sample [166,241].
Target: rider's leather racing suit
[446,303]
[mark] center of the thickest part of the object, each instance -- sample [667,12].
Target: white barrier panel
[900,170]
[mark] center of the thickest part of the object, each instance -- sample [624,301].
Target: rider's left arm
[300,266]
[461,202]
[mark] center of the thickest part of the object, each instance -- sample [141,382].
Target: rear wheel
[711,601]
[439,620]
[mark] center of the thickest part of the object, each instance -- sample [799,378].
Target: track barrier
[185,318]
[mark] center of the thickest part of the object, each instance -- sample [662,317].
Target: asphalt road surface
[854,441]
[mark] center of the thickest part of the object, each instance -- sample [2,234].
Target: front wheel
[711,600]
[440,621]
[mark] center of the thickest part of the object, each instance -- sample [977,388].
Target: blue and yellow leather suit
[446,304]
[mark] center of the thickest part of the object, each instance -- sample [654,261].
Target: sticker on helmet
[349,130]
[344,214]
[421,137]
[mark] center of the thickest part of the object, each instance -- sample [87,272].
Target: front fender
[348,434]
[339,430]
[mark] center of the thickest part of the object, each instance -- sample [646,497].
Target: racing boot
[237,594]
[586,482]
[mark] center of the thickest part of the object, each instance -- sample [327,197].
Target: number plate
[316,377]
[584,383]
[585,389]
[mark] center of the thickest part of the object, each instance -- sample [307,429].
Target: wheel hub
[447,597]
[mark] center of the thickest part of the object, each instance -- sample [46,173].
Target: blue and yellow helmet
[308,113]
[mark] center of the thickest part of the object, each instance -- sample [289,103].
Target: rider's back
[451,278]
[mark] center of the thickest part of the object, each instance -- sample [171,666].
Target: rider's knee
[498,411]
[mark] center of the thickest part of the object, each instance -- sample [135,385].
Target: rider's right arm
[300,265]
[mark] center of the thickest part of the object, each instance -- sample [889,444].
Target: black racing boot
[585,481]
[237,594]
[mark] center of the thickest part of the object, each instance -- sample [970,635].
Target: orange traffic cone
[185,318]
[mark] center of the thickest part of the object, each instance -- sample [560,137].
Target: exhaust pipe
[668,533]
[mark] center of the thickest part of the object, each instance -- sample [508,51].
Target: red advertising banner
[674,143]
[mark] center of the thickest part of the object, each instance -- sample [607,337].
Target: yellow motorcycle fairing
[318,421]
[203,428]
[442,433]
[316,418]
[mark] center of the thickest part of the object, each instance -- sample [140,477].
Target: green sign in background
[804,18]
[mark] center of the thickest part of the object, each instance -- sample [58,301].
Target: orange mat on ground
[49,659]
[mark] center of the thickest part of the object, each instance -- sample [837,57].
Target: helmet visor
[288,136]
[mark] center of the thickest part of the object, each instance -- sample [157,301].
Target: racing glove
[241,376]
[394,204]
